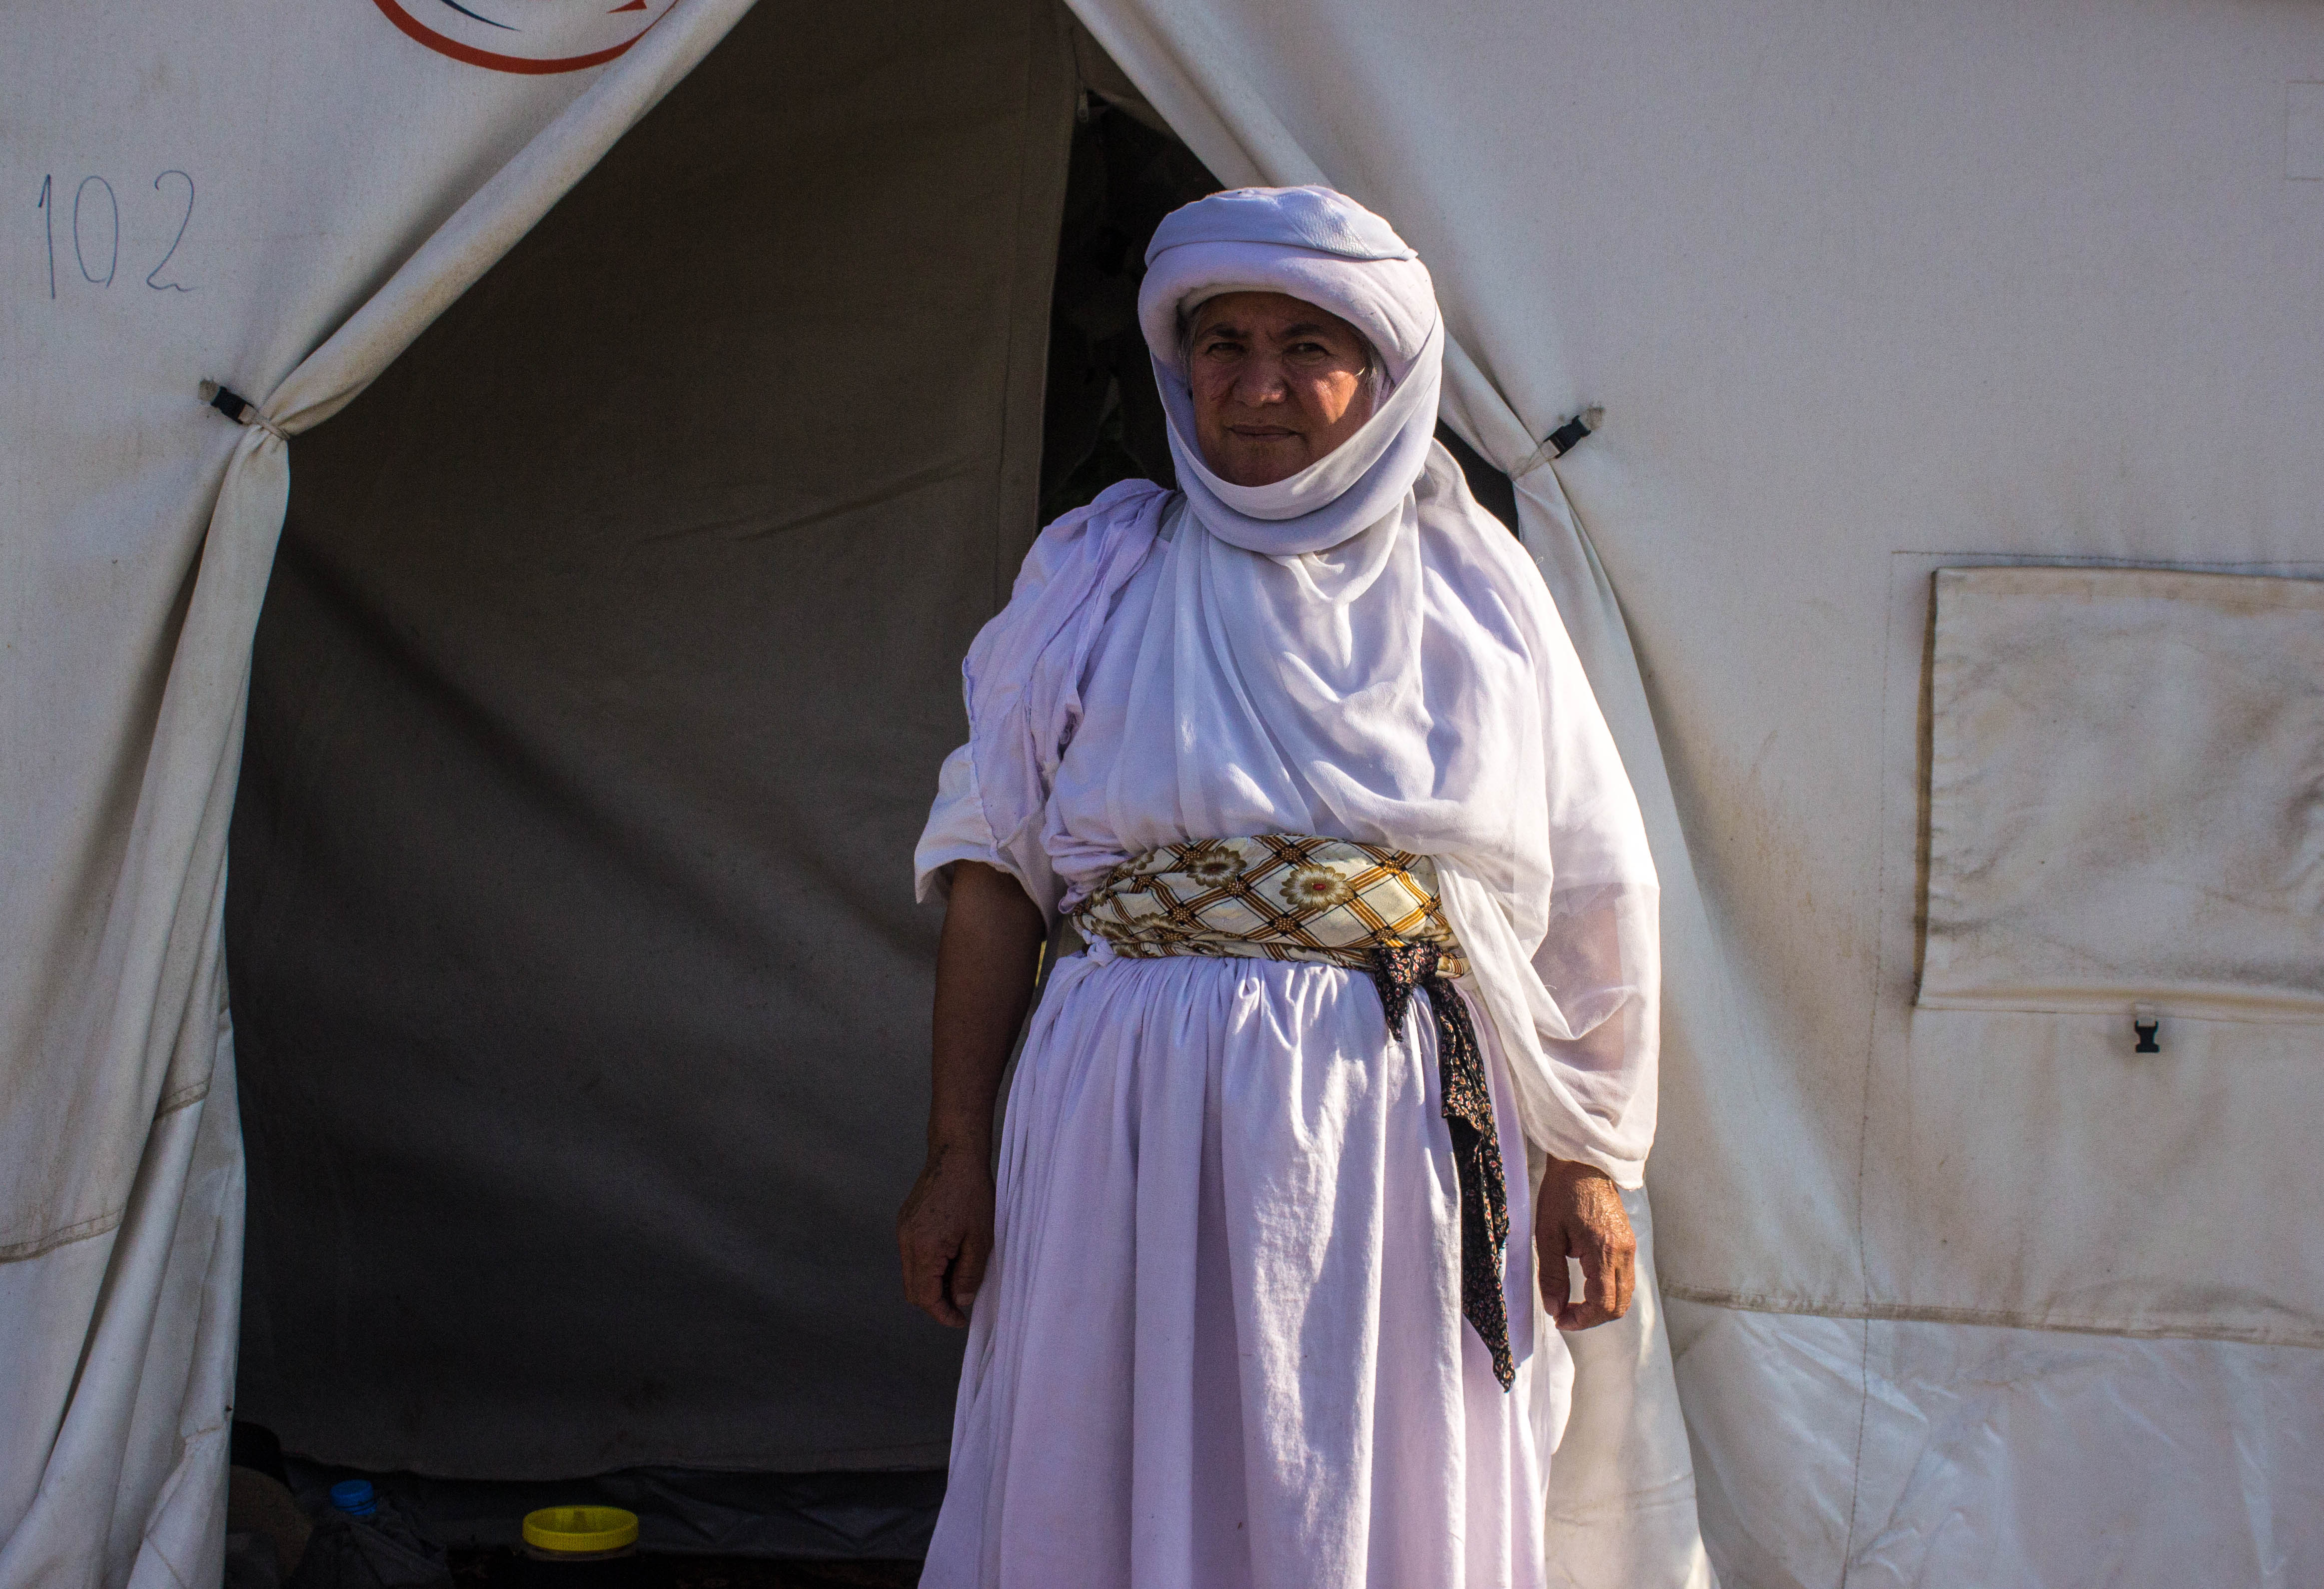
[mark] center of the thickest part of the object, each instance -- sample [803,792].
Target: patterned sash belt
[1280,897]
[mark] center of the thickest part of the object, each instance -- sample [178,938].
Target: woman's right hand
[944,1232]
[985,964]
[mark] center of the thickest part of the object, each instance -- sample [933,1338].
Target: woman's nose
[1260,381]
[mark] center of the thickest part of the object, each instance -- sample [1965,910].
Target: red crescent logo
[528,36]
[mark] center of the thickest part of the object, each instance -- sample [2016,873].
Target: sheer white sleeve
[1599,958]
[956,829]
[1022,682]
[1572,982]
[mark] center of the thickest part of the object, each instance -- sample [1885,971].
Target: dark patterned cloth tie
[1397,968]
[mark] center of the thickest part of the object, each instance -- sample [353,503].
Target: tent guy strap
[1563,439]
[239,408]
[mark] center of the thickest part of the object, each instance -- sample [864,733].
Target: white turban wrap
[1322,248]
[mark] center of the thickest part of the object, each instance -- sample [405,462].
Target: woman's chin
[1256,467]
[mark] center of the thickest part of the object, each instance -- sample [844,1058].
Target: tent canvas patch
[2126,793]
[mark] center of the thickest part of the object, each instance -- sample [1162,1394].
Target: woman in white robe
[1222,1340]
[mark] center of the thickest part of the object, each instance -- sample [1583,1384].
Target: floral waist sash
[1278,896]
[1283,897]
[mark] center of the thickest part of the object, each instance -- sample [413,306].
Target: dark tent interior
[579,992]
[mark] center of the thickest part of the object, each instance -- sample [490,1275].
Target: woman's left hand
[1580,1215]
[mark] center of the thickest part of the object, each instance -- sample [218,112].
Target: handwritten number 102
[95,230]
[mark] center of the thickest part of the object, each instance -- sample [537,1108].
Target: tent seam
[2003,1319]
[1864,1142]
[1672,1492]
[185,1096]
[66,1236]
[40,1245]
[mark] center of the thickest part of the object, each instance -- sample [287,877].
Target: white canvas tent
[1951,353]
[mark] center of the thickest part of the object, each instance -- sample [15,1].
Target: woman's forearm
[991,949]
[985,965]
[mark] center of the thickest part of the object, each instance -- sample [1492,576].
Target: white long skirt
[1222,1346]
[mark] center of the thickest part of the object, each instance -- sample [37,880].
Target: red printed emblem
[529,36]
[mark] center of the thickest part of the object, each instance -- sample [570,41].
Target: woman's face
[1277,384]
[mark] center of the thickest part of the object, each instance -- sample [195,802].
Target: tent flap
[110,1005]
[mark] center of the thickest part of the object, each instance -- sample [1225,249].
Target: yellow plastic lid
[579,1530]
